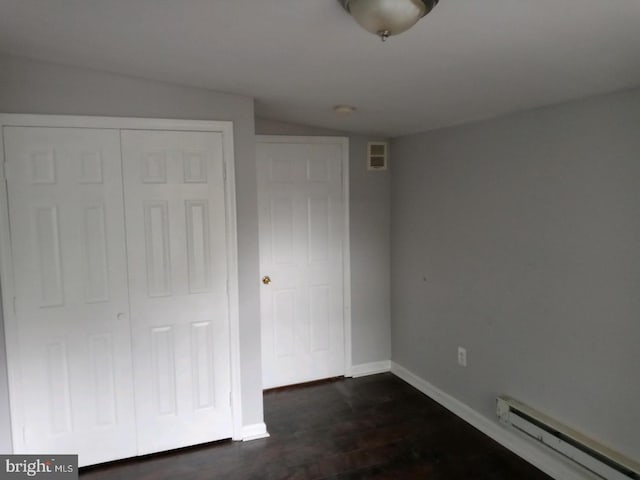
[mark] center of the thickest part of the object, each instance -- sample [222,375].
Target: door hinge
[224,171]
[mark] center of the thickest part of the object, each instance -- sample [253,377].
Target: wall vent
[377,155]
[584,451]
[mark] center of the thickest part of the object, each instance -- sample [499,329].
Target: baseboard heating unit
[591,455]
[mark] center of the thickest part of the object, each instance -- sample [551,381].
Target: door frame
[7,287]
[343,142]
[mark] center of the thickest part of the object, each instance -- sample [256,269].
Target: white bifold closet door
[120,277]
[71,300]
[176,242]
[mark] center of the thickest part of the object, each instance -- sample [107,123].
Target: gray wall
[5,419]
[370,269]
[38,87]
[519,238]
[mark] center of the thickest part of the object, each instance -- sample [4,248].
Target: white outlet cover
[462,356]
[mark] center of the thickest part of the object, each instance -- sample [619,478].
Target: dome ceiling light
[344,110]
[388,17]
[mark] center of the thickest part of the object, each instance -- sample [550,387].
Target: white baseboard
[370,368]
[545,459]
[254,432]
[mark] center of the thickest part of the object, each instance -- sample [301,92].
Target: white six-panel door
[119,336]
[302,221]
[174,199]
[67,236]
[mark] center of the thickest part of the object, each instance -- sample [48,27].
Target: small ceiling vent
[377,155]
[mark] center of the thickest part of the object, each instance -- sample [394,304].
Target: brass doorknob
[266,280]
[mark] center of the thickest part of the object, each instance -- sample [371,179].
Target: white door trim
[119,123]
[346,245]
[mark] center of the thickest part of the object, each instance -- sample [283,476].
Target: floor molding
[254,432]
[371,368]
[546,460]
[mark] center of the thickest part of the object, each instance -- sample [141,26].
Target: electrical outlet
[462,356]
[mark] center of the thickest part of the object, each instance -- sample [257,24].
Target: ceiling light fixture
[344,110]
[388,17]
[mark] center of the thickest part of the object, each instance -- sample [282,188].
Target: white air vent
[377,155]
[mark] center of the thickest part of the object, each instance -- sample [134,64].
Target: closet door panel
[72,389]
[176,242]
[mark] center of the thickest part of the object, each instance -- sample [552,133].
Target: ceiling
[467,60]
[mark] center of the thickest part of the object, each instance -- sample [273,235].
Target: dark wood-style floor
[375,427]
